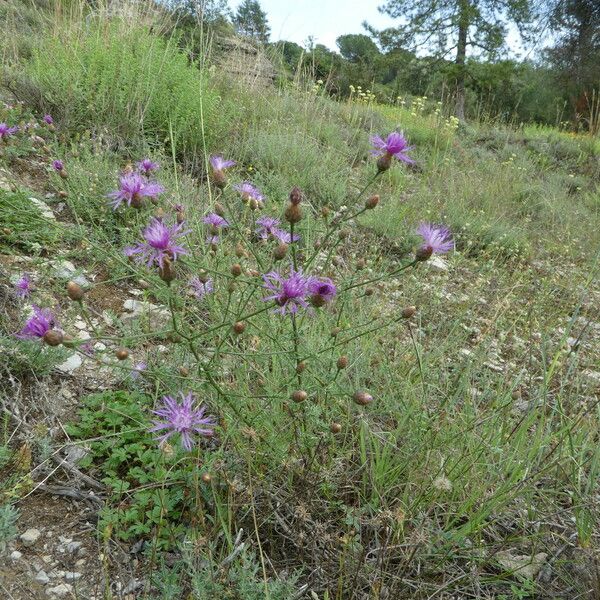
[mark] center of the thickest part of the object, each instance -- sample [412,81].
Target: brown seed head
[74,291]
[293,214]
[325,211]
[342,362]
[361,263]
[219,209]
[335,331]
[122,353]
[206,478]
[369,291]
[362,398]
[184,371]
[335,428]
[295,195]
[236,270]
[63,194]
[53,337]
[299,396]
[300,367]
[239,327]
[240,252]
[343,234]
[409,311]
[280,252]
[372,202]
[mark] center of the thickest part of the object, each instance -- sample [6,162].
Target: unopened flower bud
[293,214]
[180,216]
[236,270]
[361,263]
[384,163]
[219,209]
[63,173]
[280,252]
[335,331]
[122,353]
[253,203]
[335,428]
[239,250]
[372,202]
[362,398]
[299,396]
[342,362]
[206,478]
[239,327]
[295,196]
[184,371]
[325,211]
[74,291]
[53,337]
[409,311]
[423,253]
[231,287]
[369,291]
[300,367]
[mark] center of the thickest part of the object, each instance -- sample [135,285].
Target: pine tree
[250,20]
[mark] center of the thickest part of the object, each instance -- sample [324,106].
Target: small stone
[437,263]
[68,366]
[44,209]
[522,565]
[15,555]
[74,455]
[80,324]
[60,591]
[72,575]
[42,577]
[30,537]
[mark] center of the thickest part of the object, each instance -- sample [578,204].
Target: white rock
[15,555]
[157,316]
[72,575]
[44,209]
[73,362]
[80,324]
[60,591]
[437,263]
[30,537]
[42,577]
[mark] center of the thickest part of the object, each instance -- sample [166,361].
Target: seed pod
[239,327]
[184,371]
[423,253]
[236,270]
[63,174]
[122,353]
[300,367]
[362,398]
[335,428]
[74,291]
[361,263]
[369,291]
[280,252]
[219,209]
[342,362]
[299,396]
[372,202]
[293,214]
[296,195]
[206,478]
[53,337]
[409,311]
[239,250]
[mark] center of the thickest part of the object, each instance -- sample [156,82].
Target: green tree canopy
[251,20]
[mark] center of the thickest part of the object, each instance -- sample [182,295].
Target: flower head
[6,131]
[23,287]
[38,324]
[215,221]
[218,163]
[183,419]
[48,119]
[268,227]
[58,165]
[322,290]
[147,166]
[394,146]
[288,293]
[249,192]
[437,239]
[159,244]
[132,189]
[138,370]
[200,288]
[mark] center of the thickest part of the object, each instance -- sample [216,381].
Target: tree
[251,20]
[454,26]
[358,48]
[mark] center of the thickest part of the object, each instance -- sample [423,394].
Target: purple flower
[58,165]
[147,166]
[133,189]
[23,287]
[215,221]
[158,244]
[201,288]
[395,145]
[288,293]
[87,348]
[48,119]
[137,370]
[218,163]
[249,192]
[268,228]
[322,290]
[38,324]
[436,240]
[183,419]
[6,131]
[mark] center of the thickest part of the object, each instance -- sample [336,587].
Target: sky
[326,20]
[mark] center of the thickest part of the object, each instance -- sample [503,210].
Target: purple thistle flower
[215,221]
[23,287]
[288,293]
[218,163]
[133,189]
[58,165]
[268,228]
[147,166]
[158,244]
[6,131]
[183,419]
[437,239]
[322,290]
[48,119]
[137,370]
[395,145]
[87,348]
[249,192]
[201,288]
[38,324]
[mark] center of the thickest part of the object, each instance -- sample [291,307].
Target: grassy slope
[483,438]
